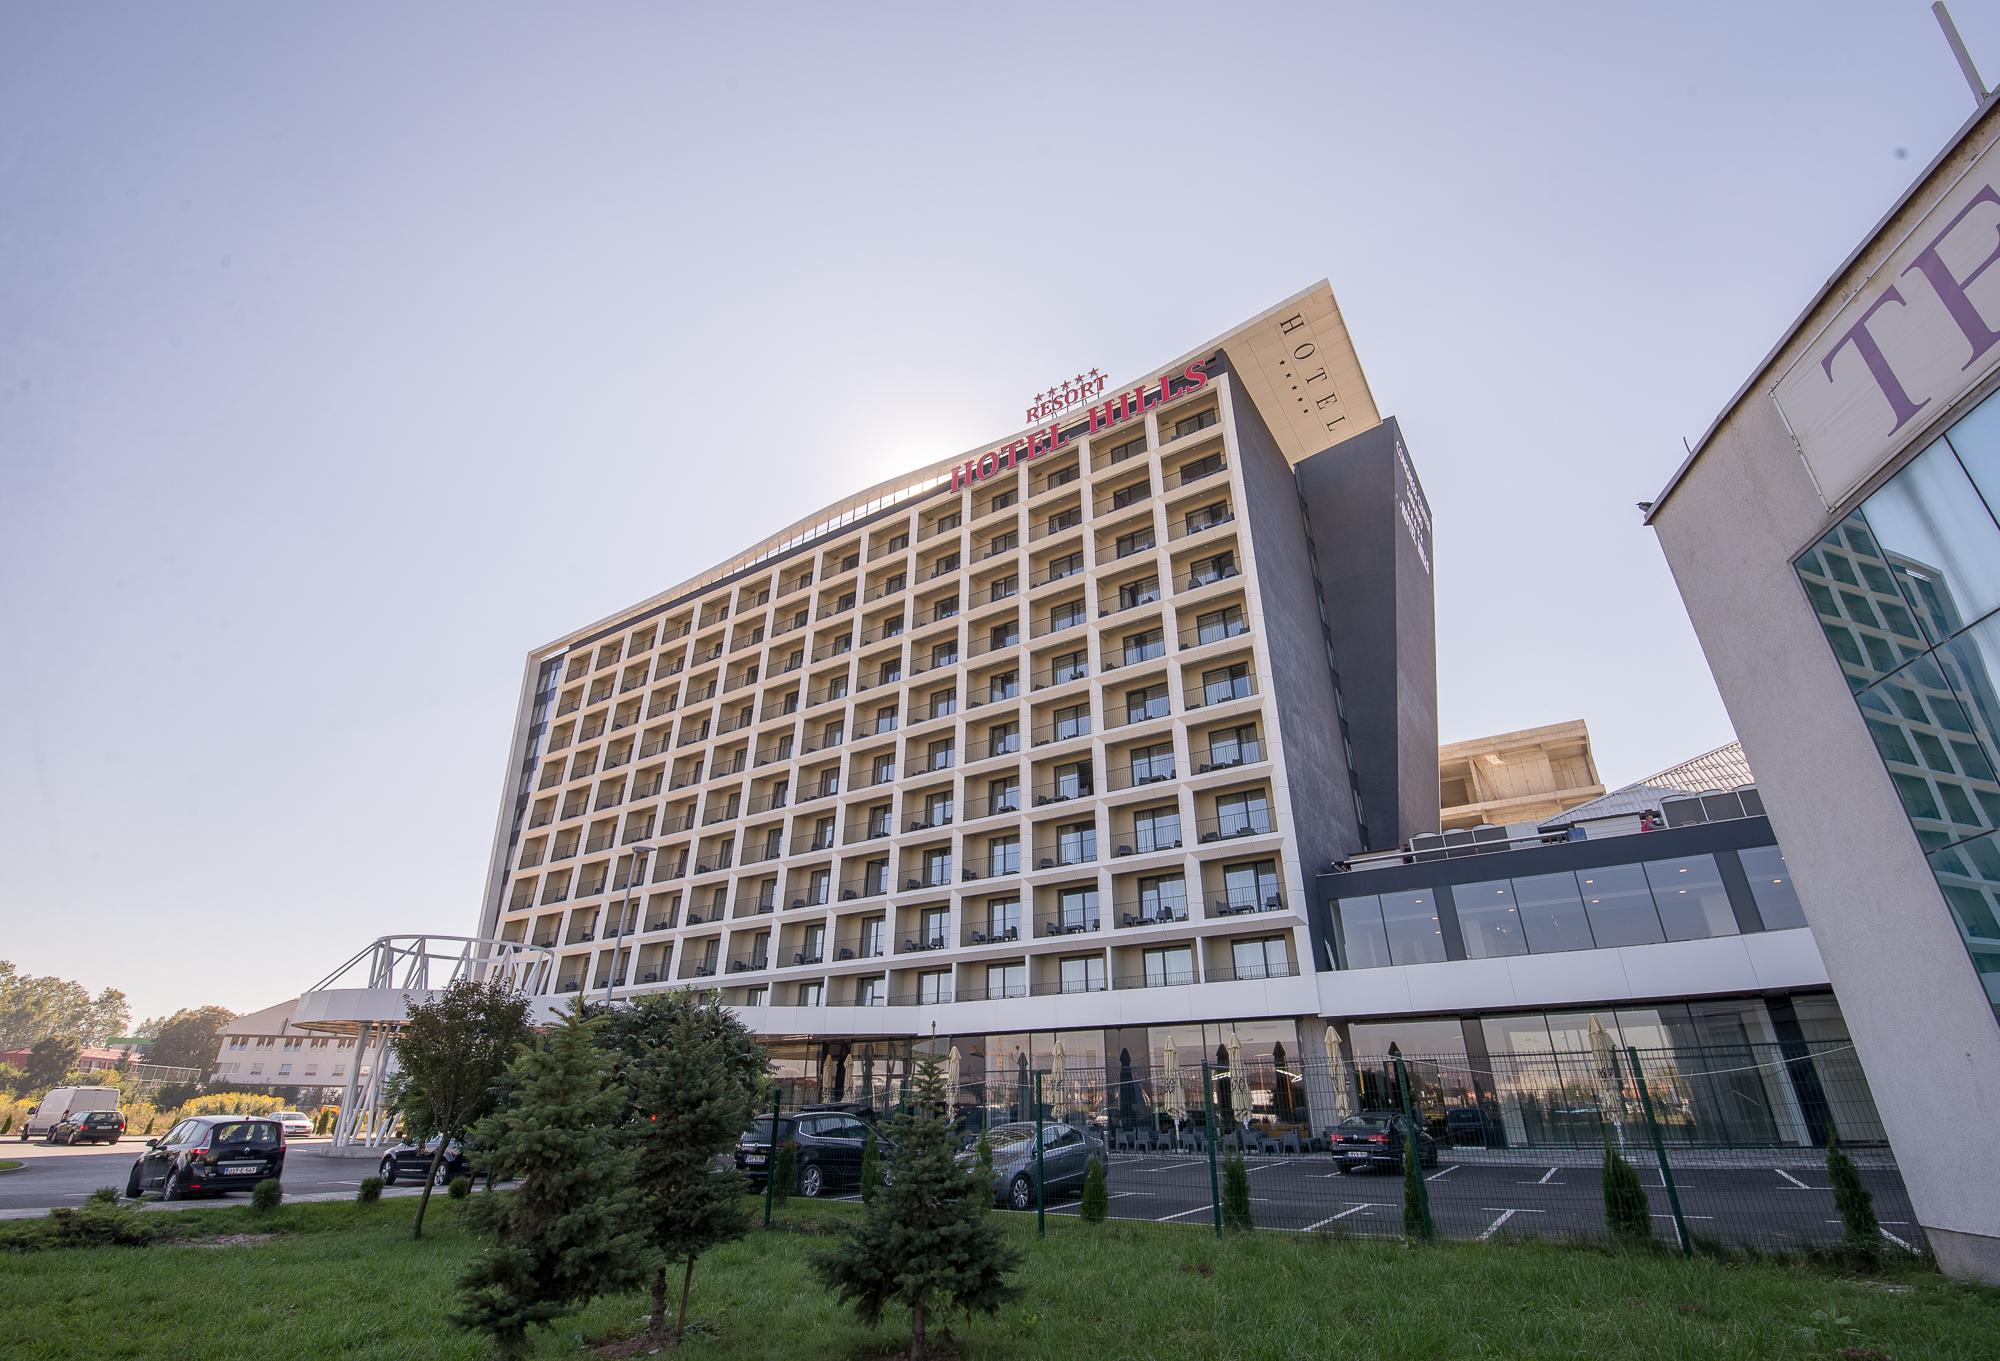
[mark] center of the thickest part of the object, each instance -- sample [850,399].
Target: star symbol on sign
[1079,378]
[1039,396]
[1093,373]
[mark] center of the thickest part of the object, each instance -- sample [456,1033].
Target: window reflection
[1771,886]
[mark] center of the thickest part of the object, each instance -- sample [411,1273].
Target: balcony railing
[1066,922]
[1140,912]
[1228,827]
[1245,904]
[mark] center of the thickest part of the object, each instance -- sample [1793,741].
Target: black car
[412,1162]
[89,1127]
[1471,1125]
[1375,1139]
[827,1145]
[209,1155]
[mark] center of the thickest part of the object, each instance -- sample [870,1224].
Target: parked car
[209,1155]
[1472,1125]
[1374,1139]
[1067,1153]
[828,1144]
[89,1127]
[296,1124]
[412,1162]
[61,1102]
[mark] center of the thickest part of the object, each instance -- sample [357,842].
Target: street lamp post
[639,850]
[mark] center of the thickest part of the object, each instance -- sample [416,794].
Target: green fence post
[1660,1152]
[1410,1114]
[1208,1124]
[771,1152]
[1041,1198]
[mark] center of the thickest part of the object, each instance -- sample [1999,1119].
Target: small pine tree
[370,1192]
[1416,1210]
[695,1074]
[266,1194]
[1097,1201]
[986,1156]
[784,1173]
[871,1167]
[460,1188]
[1851,1199]
[927,1241]
[1236,1217]
[1626,1213]
[572,1230]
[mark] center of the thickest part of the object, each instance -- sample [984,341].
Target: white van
[63,1100]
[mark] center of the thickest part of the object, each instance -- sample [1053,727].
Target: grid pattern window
[1907,591]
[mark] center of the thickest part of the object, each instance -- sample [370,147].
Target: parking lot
[54,1175]
[1775,1202]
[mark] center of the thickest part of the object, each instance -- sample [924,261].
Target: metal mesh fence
[1729,1144]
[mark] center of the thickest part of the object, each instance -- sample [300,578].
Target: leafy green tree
[1097,1201]
[1852,1200]
[12,1079]
[695,1074]
[451,1052]
[871,1166]
[1626,1212]
[49,1062]
[927,1241]
[36,1008]
[189,1038]
[1236,1216]
[574,1227]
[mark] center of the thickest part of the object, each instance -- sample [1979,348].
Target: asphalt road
[1786,1204]
[54,1175]
[1777,1207]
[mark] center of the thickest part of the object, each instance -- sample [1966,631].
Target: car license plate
[753,1159]
[242,1169]
[1357,1152]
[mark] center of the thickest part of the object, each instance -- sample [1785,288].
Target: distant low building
[265,1051]
[92,1058]
[1529,775]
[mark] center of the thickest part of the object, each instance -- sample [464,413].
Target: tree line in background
[55,1018]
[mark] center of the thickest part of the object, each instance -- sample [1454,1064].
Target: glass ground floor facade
[1749,1072]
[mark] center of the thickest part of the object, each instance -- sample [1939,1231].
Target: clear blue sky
[346,354]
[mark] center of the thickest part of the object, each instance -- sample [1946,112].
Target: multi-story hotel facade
[1043,743]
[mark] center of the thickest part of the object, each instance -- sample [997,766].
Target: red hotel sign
[1052,437]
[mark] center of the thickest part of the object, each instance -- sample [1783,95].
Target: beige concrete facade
[992,756]
[1529,775]
[1731,523]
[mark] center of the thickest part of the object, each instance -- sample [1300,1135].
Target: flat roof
[1825,290]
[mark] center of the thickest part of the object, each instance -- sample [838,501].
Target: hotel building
[1047,739]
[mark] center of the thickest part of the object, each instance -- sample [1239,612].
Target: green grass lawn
[344,1280]
[10,1164]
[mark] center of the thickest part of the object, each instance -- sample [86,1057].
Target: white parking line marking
[1435,1175]
[1505,1215]
[1897,1241]
[1685,1216]
[1796,1184]
[1351,1210]
[1545,1178]
[1181,1214]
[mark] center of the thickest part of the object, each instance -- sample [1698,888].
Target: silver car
[1067,1153]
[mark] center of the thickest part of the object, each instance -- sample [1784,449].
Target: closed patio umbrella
[1343,1105]
[1058,1077]
[826,1078]
[1604,1059]
[1173,1096]
[951,1064]
[1239,1082]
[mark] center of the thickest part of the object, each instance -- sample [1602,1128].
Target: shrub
[784,1173]
[1626,1212]
[1097,1201]
[266,1194]
[103,1195]
[371,1190]
[7,1124]
[1851,1199]
[94,1224]
[1236,1216]
[871,1167]
[986,1156]
[460,1187]
[1416,1208]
